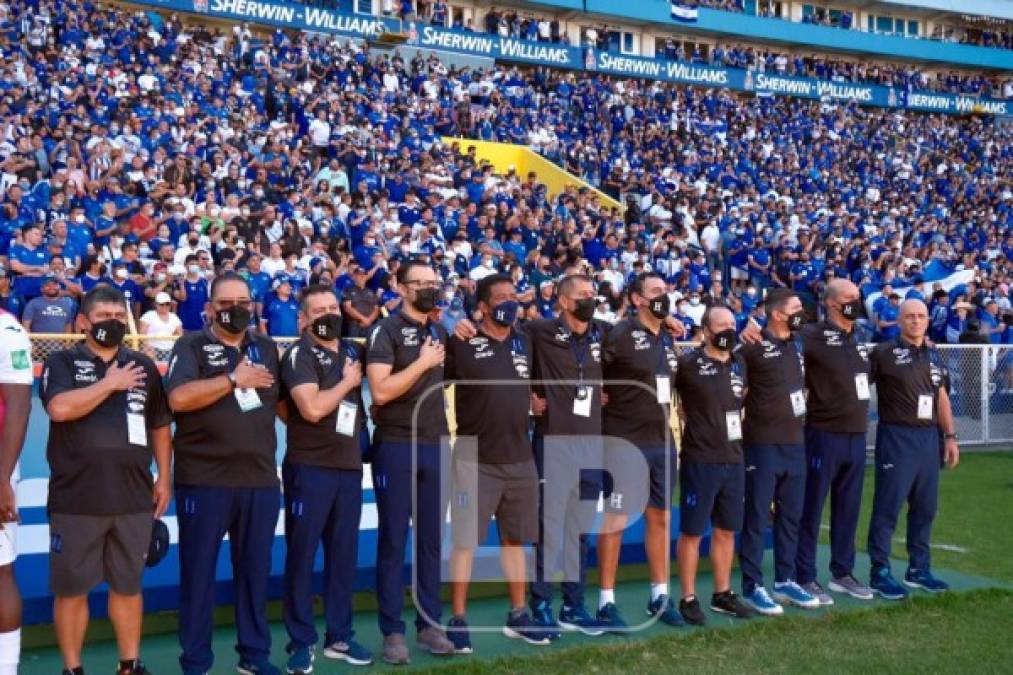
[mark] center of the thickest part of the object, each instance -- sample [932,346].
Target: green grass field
[964,631]
[953,633]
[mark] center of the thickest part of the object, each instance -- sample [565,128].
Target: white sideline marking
[952,548]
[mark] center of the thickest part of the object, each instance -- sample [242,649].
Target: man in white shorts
[15,405]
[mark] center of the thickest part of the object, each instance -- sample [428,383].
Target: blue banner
[422,36]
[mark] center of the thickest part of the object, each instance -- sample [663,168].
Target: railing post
[986,432]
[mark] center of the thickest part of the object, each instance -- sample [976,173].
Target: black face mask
[796,320]
[234,320]
[852,310]
[108,333]
[584,309]
[425,300]
[327,327]
[659,306]
[724,340]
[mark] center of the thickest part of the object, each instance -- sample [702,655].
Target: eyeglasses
[165,304]
[419,283]
[245,303]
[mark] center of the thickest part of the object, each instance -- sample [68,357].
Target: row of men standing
[225,387]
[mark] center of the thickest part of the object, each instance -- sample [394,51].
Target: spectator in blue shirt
[191,294]
[50,312]
[30,261]
[281,315]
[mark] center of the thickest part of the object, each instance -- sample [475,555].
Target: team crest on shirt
[483,349]
[521,365]
[706,367]
[215,355]
[410,337]
[323,358]
[770,350]
[901,356]
[84,371]
[737,385]
[670,358]
[936,374]
[863,351]
[833,338]
[596,351]
[562,335]
[640,342]
[137,399]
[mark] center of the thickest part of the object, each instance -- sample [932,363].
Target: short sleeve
[298,366]
[381,346]
[15,353]
[57,377]
[183,365]
[159,414]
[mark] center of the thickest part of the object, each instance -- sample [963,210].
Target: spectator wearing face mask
[191,292]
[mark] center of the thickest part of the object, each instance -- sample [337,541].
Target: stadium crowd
[153,158]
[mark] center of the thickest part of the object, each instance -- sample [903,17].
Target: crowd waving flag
[684,11]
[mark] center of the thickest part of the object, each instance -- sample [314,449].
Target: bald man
[711,383]
[915,420]
[837,413]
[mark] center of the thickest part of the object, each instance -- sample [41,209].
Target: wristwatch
[951,437]
[232,379]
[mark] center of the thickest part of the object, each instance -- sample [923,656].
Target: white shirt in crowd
[155,325]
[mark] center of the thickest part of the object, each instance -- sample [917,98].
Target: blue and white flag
[684,11]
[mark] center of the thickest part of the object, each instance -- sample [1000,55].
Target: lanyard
[434,334]
[517,347]
[664,343]
[590,336]
[253,352]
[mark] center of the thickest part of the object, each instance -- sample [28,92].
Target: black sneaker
[692,612]
[729,603]
[73,671]
[134,667]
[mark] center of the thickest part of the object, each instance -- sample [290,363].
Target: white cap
[162,298]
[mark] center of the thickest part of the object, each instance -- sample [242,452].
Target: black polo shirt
[908,380]
[560,356]
[397,341]
[632,353]
[833,361]
[319,443]
[709,392]
[496,413]
[95,469]
[776,375]
[221,445]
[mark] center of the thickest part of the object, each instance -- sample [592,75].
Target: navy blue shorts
[714,492]
[661,477]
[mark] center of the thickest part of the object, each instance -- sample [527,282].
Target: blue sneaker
[520,626]
[882,582]
[541,616]
[300,660]
[579,619]
[924,580]
[264,667]
[610,619]
[790,593]
[664,608]
[349,651]
[459,635]
[759,600]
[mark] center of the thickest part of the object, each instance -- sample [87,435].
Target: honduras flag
[684,11]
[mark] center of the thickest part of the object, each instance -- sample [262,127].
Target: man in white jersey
[15,405]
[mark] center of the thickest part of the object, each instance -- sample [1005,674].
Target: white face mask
[694,301]
[193,269]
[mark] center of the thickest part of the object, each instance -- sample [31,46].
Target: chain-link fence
[981,378]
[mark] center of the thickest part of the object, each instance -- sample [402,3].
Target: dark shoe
[731,604]
[692,612]
[664,608]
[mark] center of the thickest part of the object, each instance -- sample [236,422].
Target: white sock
[658,590]
[605,596]
[10,652]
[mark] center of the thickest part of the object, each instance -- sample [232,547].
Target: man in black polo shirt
[711,383]
[494,470]
[222,385]
[837,415]
[639,350]
[567,363]
[322,475]
[108,416]
[912,385]
[774,453]
[405,370]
